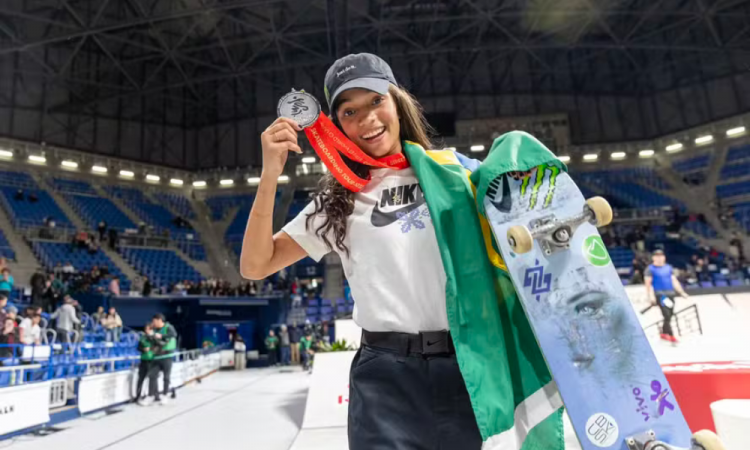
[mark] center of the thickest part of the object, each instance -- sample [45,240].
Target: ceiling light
[99,169]
[226,182]
[618,155]
[646,153]
[127,173]
[564,158]
[590,157]
[253,180]
[308,160]
[283,178]
[674,147]
[704,139]
[37,159]
[477,148]
[69,164]
[199,184]
[6,153]
[735,131]
[176,181]
[150,177]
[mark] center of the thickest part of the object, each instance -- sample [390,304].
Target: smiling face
[370,120]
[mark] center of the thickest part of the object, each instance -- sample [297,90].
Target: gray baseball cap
[361,70]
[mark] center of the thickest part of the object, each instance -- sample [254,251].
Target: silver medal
[299,106]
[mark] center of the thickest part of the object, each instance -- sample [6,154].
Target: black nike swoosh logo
[430,344]
[383,219]
[505,203]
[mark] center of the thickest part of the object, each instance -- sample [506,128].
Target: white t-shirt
[31,332]
[394,268]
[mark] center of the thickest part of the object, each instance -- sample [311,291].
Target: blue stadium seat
[160,218]
[221,204]
[73,186]
[178,203]
[94,209]
[24,213]
[51,253]
[163,267]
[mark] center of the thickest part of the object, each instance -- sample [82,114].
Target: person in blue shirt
[6,283]
[662,287]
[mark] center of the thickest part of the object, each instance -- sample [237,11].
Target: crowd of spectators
[294,344]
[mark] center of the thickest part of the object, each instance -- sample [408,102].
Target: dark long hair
[333,201]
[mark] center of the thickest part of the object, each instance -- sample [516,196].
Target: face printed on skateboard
[592,325]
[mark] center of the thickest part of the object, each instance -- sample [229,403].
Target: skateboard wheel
[601,209]
[707,440]
[519,238]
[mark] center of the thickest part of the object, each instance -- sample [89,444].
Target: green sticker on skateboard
[595,251]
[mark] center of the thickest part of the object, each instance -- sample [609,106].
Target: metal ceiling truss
[192,64]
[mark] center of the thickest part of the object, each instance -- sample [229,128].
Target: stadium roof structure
[192,83]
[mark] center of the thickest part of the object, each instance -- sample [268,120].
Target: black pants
[63,336]
[143,369]
[409,403]
[667,311]
[272,356]
[159,365]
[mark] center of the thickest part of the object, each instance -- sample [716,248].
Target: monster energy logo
[538,181]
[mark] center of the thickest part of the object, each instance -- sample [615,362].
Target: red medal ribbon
[328,141]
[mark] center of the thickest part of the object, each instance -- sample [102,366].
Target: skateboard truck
[554,235]
[648,441]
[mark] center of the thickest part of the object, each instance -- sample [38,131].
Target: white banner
[227,358]
[24,406]
[347,329]
[328,397]
[99,391]
[177,378]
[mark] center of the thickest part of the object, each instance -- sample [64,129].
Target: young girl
[406,388]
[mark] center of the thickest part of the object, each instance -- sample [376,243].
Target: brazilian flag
[515,400]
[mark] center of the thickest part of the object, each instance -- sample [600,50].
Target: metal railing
[686,321]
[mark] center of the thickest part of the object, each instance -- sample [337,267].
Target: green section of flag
[500,361]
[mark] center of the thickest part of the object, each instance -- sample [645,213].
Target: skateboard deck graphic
[606,372]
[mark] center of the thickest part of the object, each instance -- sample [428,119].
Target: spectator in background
[136,286]
[96,275]
[294,336]
[57,270]
[12,312]
[146,286]
[114,286]
[8,338]
[55,289]
[66,320]
[102,230]
[69,268]
[272,344]
[240,353]
[146,347]
[113,324]
[165,340]
[3,303]
[6,283]
[112,238]
[3,263]
[306,349]
[284,342]
[99,316]
[18,196]
[30,331]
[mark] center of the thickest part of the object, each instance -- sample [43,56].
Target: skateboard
[612,386]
